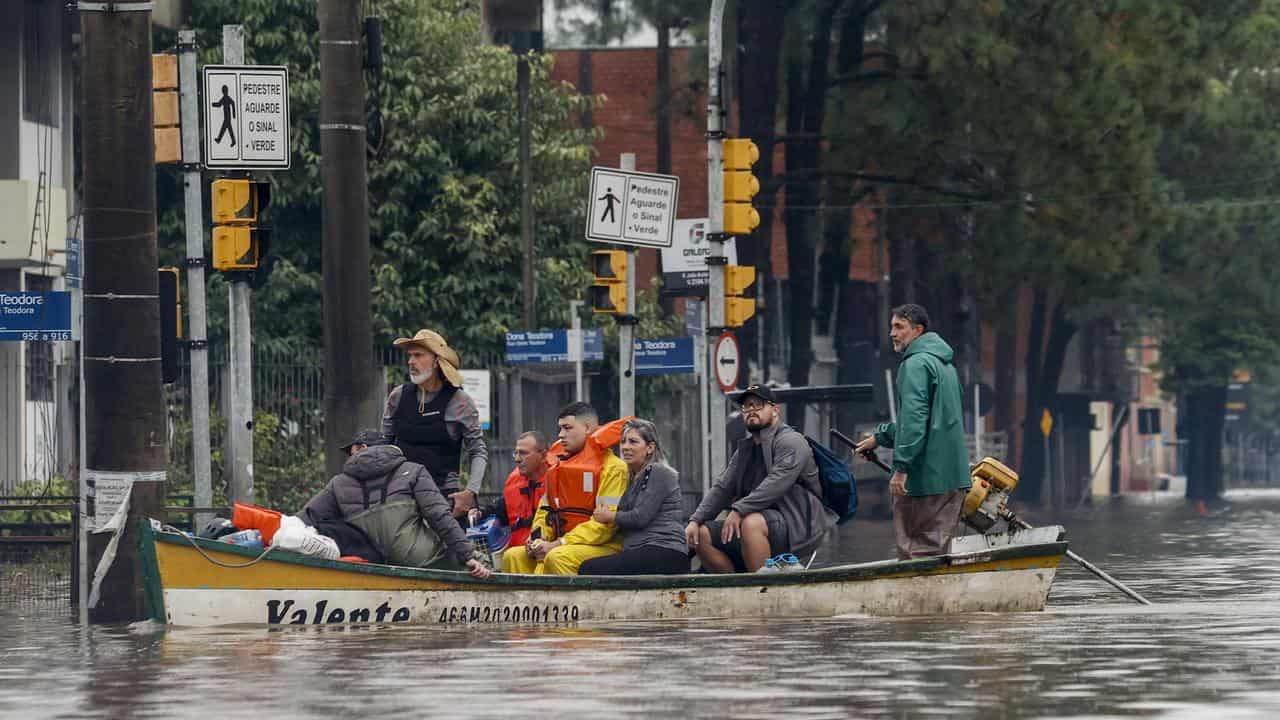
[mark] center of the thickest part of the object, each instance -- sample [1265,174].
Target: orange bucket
[252,517]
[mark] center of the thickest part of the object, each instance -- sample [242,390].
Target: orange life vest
[520,496]
[573,482]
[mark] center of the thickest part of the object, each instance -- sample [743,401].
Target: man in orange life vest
[523,489]
[584,473]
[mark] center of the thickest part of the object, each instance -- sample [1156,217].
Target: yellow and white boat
[196,582]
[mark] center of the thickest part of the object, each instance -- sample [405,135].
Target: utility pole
[124,462]
[627,323]
[349,401]
[198,343]
[716,261]
[576,347]
[239,320]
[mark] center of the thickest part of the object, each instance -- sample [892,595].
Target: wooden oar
[1013,520]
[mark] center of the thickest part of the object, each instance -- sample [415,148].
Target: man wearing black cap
[771,490]
[362,440]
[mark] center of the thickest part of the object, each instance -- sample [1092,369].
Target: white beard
[417,379]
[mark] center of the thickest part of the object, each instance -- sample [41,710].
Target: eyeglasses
[749,406]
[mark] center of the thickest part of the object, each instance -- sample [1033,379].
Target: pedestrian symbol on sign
[609,199]
[228,112]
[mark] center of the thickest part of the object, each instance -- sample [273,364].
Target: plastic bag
[298,537]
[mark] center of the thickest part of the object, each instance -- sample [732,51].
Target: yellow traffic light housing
[609,286]
[170,295]
[235,248]
[166,121]
[740,186]
[740,154]
[239,201]
[737,309]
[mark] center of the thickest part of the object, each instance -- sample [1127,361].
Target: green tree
[443,182]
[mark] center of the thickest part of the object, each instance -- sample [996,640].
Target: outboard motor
[986,502]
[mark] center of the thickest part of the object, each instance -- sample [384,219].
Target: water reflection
[1209,647]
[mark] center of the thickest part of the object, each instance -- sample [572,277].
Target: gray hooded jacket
[790,486]
[381,476]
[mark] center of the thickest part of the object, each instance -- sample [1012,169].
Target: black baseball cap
[764,392]
[367,436]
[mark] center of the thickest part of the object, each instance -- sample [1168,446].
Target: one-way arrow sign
[727,362]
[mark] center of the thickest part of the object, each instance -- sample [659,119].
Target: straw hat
[446,357]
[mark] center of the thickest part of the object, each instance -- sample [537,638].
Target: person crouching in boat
[523,489]
[584,473]
[650,514]
[771,490]
[398,506]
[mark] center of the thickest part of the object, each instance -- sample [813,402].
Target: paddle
[1013,520]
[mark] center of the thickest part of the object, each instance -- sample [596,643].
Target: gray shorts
[779,542]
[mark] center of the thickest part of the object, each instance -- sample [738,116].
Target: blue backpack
[839,492]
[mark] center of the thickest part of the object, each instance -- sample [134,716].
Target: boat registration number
[463,614]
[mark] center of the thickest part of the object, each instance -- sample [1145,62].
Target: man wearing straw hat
[434,422]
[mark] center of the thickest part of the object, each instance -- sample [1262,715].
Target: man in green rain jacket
[930,461]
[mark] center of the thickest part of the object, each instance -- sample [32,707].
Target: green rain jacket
[928,438]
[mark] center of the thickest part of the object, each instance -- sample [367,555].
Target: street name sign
[664,356]
[632,208]
[551,346]
[245,110]
[35,316]
[727,359]
[684,263]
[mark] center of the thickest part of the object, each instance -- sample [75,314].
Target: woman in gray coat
[650,513]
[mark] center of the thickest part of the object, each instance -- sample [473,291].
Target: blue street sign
[73,262]
[35,316]
[548,346]
[664,356]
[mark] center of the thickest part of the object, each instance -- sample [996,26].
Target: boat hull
[190,585]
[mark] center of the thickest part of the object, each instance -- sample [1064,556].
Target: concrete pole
[627,328]
[351,388]
[239,320]
[125,458]
[704,384]
[188,77]
[715,223]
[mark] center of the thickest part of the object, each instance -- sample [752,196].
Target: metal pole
[124,406]
[199,331]
[704,384]
[627,329]
[715,220]
[977,422]
[352,388]
[526,201]
[239,300]
[893,399]
[576,323]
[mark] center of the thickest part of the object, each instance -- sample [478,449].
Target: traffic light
[170,322]
[164,109]
[740,185]
[239,239]
[737,309]
[609,289]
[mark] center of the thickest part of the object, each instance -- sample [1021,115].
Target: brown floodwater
[1208,648]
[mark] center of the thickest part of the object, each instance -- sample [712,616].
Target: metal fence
[37,551]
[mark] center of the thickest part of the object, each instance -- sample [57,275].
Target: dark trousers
[644,560]
[923,524]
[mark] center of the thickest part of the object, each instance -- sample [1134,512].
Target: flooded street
[1208,647]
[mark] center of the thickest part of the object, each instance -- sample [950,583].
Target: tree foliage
[443,188]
